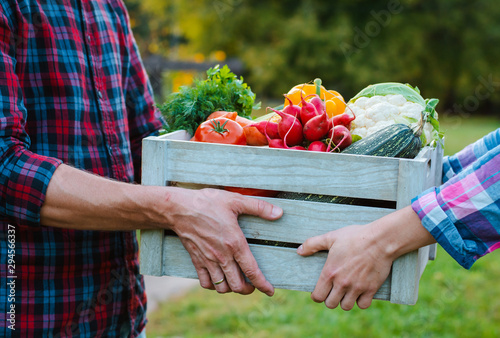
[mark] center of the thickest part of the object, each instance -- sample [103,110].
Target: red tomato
[253,192]
[243,121]
[220,130]
[232,115]
[220,113]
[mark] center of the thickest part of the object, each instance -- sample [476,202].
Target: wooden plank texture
[169,158]
[438,174]
[303,219]
[423,259]
[405,269]
[154,172]
[150,257]
[283,267]
[283,170]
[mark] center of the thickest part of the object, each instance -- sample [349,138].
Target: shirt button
[89,38]
[99,94]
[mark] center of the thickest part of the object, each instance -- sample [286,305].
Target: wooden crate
[170,158]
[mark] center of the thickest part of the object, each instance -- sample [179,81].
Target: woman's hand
[355,268]
[360,257]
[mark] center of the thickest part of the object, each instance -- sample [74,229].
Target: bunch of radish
[308,127]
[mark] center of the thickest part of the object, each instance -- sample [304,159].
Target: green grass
[453,302]
[460,131]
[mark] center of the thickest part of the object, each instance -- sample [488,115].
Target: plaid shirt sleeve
[463,214]
[72,90]
[144,117]
[453,165]
[24,176]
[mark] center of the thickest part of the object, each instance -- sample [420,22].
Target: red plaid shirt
[72,90]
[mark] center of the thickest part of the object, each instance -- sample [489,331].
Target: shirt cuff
[25,192]
[441,227]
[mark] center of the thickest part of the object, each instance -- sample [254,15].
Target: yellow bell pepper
[334,102]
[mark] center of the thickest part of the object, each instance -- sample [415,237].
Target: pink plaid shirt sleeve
[463,214]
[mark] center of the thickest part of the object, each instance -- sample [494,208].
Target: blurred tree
[449,49]
[155,26]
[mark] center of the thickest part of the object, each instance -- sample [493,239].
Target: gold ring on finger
[219,282]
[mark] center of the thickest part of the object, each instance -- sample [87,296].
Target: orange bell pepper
[334,102]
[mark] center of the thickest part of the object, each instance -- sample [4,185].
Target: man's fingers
[315,244]
[209,273]
[236,281]
[365,300]
[243,256]
[222,249]
[260,208]
[251,270]
[217,278]
[349,300]
[204,278]
[203,275]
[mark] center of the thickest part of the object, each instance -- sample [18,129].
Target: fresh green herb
[222,90]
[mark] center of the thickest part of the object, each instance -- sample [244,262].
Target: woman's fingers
[354,270]
[315,244]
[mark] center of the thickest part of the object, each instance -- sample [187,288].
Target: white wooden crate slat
[406,273]
[306,219]
[434,177]
[436,168]
[283,268]
[153,173]
[282,170]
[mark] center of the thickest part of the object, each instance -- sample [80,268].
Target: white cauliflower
[396,103]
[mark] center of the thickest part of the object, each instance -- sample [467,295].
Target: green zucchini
[396,140]
[337,199]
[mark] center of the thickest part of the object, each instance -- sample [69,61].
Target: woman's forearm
[400,232]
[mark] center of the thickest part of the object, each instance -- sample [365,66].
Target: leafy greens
[222,90]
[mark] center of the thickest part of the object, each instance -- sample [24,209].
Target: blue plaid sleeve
[453,165]
[463,214]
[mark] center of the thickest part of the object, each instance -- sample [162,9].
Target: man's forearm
[206,221]
[79,200]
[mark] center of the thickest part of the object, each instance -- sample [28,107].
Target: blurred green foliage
[449,49]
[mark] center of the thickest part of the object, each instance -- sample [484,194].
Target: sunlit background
[450,50]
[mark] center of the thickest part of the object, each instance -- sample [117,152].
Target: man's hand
[207,223]
[360,257]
